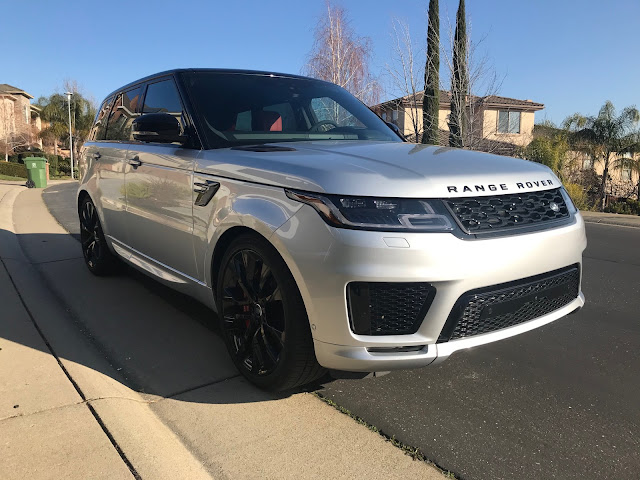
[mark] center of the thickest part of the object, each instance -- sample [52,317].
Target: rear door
[106,156]
[158,183]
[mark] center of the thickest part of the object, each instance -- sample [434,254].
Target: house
[19,120]
[497,124]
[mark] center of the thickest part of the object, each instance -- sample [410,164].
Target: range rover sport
[322,239]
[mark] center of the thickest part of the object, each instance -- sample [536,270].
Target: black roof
[214,70]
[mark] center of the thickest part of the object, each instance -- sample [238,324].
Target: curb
[613,219]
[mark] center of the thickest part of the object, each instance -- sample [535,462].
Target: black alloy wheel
[262,317]
[253,313]
[97,256]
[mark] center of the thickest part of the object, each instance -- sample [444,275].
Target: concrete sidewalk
[77,415]
[61,418]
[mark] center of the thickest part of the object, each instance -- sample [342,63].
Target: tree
[341,57]
[606,137]
[405,76]
[548,151]
[431,99]
[458,119]
[54,111]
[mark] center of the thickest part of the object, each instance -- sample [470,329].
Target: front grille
[388,308]
[506,305]
[479,215]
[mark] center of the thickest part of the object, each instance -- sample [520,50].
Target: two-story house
[497,124]
[19,120]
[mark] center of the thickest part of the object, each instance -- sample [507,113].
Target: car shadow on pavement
[154,339]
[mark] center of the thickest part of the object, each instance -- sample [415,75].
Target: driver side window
[326,109]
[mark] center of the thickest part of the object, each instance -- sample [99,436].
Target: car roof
[213,70]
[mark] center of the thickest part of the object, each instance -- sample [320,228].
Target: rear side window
[163,97]
[123,114]
[100,125]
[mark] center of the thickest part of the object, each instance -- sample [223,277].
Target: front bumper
[323,260]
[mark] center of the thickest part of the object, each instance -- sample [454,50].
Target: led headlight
[370,213]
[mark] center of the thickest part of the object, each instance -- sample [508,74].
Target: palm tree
[54,111]
[606,137]
[632,164]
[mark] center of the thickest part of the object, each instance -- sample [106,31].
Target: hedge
[13,169]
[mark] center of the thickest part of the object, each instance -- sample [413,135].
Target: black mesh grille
[504,306]
[499,212]
[388,308]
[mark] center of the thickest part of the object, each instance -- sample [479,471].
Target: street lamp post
[68,94]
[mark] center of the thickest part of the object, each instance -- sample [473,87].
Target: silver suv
[321,238]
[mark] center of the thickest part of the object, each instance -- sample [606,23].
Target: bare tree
[406,74]
[341,57]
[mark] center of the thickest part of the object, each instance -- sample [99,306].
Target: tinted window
[100,125]
[163,97]
[244,109]
[123,114]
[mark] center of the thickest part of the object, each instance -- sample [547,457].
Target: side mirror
[157,127]
[395,128]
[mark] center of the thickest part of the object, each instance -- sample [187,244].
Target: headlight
[370,213]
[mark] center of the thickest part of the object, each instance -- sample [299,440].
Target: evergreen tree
[460,81]
[431,101]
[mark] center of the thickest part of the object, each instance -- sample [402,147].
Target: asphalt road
[559,402]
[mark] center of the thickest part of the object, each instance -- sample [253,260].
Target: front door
[158,184]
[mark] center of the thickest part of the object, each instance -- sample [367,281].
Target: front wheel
[263,318]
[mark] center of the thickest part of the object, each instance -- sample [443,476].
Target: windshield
[247,109]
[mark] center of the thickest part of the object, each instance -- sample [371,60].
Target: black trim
[458,309]
[359,306]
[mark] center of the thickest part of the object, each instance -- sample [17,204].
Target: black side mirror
[395,128]
[157,127]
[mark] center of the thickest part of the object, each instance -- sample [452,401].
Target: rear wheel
[262,317]
[97,256]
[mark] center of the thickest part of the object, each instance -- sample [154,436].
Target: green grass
[413,452]
[13,179]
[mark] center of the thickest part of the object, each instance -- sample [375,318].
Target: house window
[26,113]
[626,174]
[587,163]
[508,122]
[394,116]
[384,116]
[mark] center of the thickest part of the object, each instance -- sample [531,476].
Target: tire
[262,317]
[97,256]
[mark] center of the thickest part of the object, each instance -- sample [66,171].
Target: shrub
[578,196]
[626,206]
[64,166]
[13,169]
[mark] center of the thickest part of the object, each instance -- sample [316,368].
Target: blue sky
[570,55]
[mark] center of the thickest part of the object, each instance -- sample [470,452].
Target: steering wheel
[321,123]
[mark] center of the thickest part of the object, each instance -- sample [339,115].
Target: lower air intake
[501,306]
[388,308]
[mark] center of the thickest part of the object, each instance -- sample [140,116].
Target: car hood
[384,169]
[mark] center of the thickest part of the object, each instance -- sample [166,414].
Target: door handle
[135,162]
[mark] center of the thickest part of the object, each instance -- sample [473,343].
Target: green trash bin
[36,172]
